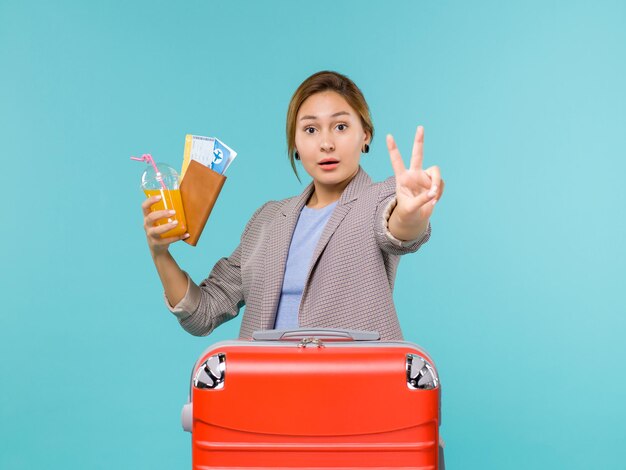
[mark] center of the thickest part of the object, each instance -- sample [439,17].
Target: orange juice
[170,199]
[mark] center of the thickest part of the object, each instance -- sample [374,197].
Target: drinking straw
[146,157]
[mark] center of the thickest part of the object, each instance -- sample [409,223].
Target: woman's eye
[342,127]
[309,130]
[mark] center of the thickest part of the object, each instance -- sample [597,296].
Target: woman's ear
[366,147]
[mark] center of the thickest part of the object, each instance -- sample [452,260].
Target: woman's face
[329,138]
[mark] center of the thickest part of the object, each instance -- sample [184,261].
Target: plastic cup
[170,199]
[162,180]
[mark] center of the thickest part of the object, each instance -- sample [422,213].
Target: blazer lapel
[350,194]
[277,250]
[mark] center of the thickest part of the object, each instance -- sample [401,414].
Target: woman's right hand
[157,244]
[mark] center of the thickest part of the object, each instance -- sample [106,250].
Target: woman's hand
[157,244]
[417,190]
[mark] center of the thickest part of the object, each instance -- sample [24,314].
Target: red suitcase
[334,399]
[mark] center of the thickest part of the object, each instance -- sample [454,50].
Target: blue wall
[519,295]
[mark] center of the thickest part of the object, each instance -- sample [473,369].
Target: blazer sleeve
[386,241]
[218,298]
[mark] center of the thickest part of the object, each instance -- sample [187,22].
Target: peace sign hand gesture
[417,190]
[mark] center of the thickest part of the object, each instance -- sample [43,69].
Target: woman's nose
[327,144]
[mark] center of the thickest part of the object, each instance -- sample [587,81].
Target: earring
[366,148]
[296,156]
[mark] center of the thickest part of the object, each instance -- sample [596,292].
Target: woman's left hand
[417,190]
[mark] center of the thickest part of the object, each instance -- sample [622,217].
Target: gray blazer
[350,280]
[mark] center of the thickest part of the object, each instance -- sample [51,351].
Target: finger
[423,179]
[147,204]
[443,184]
[423,201]
[435,176]
[394,155]
[417,155]
[155,216]
[158,230]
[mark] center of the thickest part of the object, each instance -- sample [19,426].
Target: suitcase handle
[327,334]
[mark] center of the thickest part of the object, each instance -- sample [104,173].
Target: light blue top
[307,233]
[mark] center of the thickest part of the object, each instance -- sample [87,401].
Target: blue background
[519,295]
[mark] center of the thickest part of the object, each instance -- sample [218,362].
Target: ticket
[209,151]
[223,156]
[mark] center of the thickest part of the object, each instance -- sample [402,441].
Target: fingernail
[158,198]
[434,201]
[432,191]
[174,222]
[186,235]
[172,212]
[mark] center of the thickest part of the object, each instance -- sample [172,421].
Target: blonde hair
[317,83]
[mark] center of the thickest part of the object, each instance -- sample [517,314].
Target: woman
[328,257]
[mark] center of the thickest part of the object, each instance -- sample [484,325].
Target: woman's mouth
[328,164]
